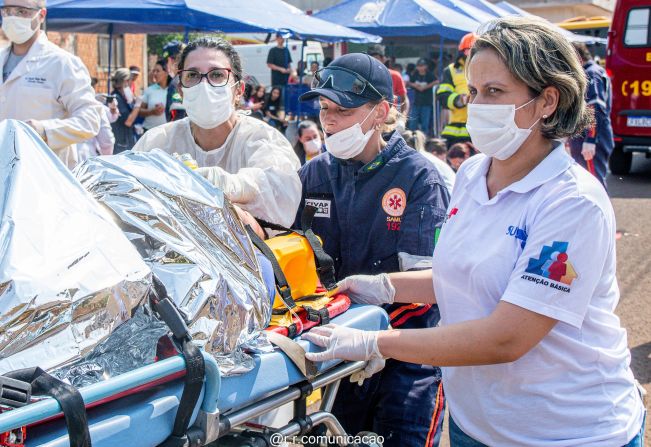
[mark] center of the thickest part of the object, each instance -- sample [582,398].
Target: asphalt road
[631,198]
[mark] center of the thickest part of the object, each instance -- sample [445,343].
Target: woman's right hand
[368,289]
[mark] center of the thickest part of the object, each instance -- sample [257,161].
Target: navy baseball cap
[352,80]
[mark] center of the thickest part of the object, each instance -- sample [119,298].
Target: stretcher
[138,408]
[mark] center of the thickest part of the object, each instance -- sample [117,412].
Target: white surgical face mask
[208,106]
[18,29]
[493,130]
[314,145]
[350,142]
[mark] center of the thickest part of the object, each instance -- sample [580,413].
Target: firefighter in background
[453,94]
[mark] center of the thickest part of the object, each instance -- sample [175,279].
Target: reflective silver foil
[68,275]
[193,241]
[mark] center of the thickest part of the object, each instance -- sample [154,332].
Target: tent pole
[110,57]
[300,78]
[439,109]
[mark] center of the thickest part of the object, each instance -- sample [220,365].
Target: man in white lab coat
[44,85]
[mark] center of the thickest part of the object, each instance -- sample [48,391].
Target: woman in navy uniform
[380,204]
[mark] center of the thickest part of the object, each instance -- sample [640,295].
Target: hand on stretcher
[346,343]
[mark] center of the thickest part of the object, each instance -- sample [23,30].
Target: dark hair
[218,44]
[93,81]
[134,68]
[162,63]
[457,151]
[299,149]
[582,50]
[376,50]
[397,67]
[305,124]
[436,146]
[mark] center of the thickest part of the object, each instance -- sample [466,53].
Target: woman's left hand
[345,343]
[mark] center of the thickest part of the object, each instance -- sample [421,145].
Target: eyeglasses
[344,80]
[217,77]
[18,11]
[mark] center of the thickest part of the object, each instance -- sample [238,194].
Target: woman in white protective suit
[250,161]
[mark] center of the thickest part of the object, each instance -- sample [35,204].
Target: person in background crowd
[524,271]
[314,67]
[173,104]
[123,127]
[251,162]
[436,152]
[411,67]
[279,61]
[135,75]
[399,90]
[155,96]
[310,141]
[103,142]
[257,102]
[415,139]
[422,110]
[273,109]
[42,84]
[452,93]
[457,154]
[380,205]
[592,149]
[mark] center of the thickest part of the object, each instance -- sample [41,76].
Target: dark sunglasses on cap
[346,81]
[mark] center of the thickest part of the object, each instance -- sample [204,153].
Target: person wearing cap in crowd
[524,271]
[422,110]
[135,74]
[380,204]
[173,104]
[596,144]
[279,61]
[43,85]
[123,127]
[399,89]
[452,93]
[251,162]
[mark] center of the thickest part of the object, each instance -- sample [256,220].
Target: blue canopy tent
[489,7]
[400,18]
[465,8]
[227,16]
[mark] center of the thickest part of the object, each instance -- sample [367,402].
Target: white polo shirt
[547,244]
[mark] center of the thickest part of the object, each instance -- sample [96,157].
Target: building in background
[92,49]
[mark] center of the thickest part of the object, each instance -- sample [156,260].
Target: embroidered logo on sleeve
[322,207]
[394,202]
[553,264]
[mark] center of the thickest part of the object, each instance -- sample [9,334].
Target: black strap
[282,285]
[195,367]
[325,266]
[320,316]
[68,397]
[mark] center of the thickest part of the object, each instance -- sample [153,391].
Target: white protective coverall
[259,165]
[51,86]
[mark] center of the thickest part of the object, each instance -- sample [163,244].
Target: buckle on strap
[14,393]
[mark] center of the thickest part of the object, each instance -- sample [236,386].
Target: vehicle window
[637,27]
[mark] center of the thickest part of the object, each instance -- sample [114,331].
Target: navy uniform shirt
[380,217]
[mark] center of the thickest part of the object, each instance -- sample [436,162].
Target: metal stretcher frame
[227,403]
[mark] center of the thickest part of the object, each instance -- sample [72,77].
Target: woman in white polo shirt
[524,268]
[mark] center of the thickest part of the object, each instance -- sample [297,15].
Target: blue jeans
[421,117]
[459,439]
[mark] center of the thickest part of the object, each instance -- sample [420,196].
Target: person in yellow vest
[453,94]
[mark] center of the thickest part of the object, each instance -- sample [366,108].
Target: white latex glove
[368,289]
[137,103]
[346,343]
[588,150]
[215,175]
